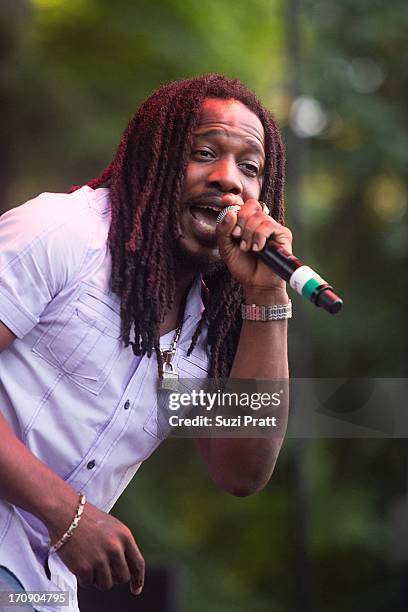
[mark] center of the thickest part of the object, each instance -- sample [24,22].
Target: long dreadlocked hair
[146,181]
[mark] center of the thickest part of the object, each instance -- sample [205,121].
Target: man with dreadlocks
[93,285]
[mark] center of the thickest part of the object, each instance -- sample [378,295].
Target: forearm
[244,465]
[30,484]
[262,348]
[102,550]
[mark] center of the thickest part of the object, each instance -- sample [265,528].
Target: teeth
[207,222]
[205,225]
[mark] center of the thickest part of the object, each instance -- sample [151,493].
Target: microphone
[300,277]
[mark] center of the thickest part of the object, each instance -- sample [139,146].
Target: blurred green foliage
[73,72]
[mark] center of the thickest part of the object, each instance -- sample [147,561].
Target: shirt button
[91,464]
[126,404]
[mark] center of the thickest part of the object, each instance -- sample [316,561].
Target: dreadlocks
[146,179]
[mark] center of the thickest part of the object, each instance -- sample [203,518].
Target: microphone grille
[224,211]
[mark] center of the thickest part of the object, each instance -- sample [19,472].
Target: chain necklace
[169,372]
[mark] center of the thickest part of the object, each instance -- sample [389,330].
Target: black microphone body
[300,277]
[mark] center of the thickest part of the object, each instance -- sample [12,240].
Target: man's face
[227,157]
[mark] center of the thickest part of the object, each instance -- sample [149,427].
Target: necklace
[169,372]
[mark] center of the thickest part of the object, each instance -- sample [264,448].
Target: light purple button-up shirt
[80,400]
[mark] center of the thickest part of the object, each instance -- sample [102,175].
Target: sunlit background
[323,535]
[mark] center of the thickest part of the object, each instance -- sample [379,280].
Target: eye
[250,168]
[202,154]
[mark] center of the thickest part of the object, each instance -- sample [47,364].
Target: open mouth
[206,216]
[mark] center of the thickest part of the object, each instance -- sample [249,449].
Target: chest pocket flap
[83,341]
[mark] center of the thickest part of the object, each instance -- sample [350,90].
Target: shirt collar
[194,303]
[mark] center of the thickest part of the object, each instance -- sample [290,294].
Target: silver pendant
[170,376]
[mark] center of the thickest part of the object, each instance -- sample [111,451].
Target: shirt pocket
[84,341]
[190,369]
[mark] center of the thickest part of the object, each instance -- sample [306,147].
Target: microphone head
[329,300]
[224,212]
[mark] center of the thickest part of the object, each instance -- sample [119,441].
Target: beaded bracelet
[73,525]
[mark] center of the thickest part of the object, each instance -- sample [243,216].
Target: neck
[174,316]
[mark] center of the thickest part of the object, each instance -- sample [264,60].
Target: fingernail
[136,590]
[236,231]
[242,246]
[255,247]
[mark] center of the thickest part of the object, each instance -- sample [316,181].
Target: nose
[224,176]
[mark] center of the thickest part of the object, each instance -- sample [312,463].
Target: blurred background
[329,532]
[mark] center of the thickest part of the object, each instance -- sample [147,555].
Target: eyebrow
[252,143]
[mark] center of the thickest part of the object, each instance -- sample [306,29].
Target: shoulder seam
[44,233]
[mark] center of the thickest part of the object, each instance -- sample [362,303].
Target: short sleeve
[42,247]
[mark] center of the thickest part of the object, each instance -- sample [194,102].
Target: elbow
[245,485]
[241,490]
[242,469]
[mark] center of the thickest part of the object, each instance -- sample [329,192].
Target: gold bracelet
[73,525]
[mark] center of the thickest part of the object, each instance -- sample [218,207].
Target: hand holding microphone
[279,259]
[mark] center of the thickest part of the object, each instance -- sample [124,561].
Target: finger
[224,230]
[252,228]
[136,567]
[283,236]
[261,235]
[119,567]
[250,208]
[257,232]
[262,232]
[103,577]
[86,579]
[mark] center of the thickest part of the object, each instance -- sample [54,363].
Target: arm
[243,466]
[34,265]
[102,550]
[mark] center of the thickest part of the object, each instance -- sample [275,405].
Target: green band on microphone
[305,281]
[310,287]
